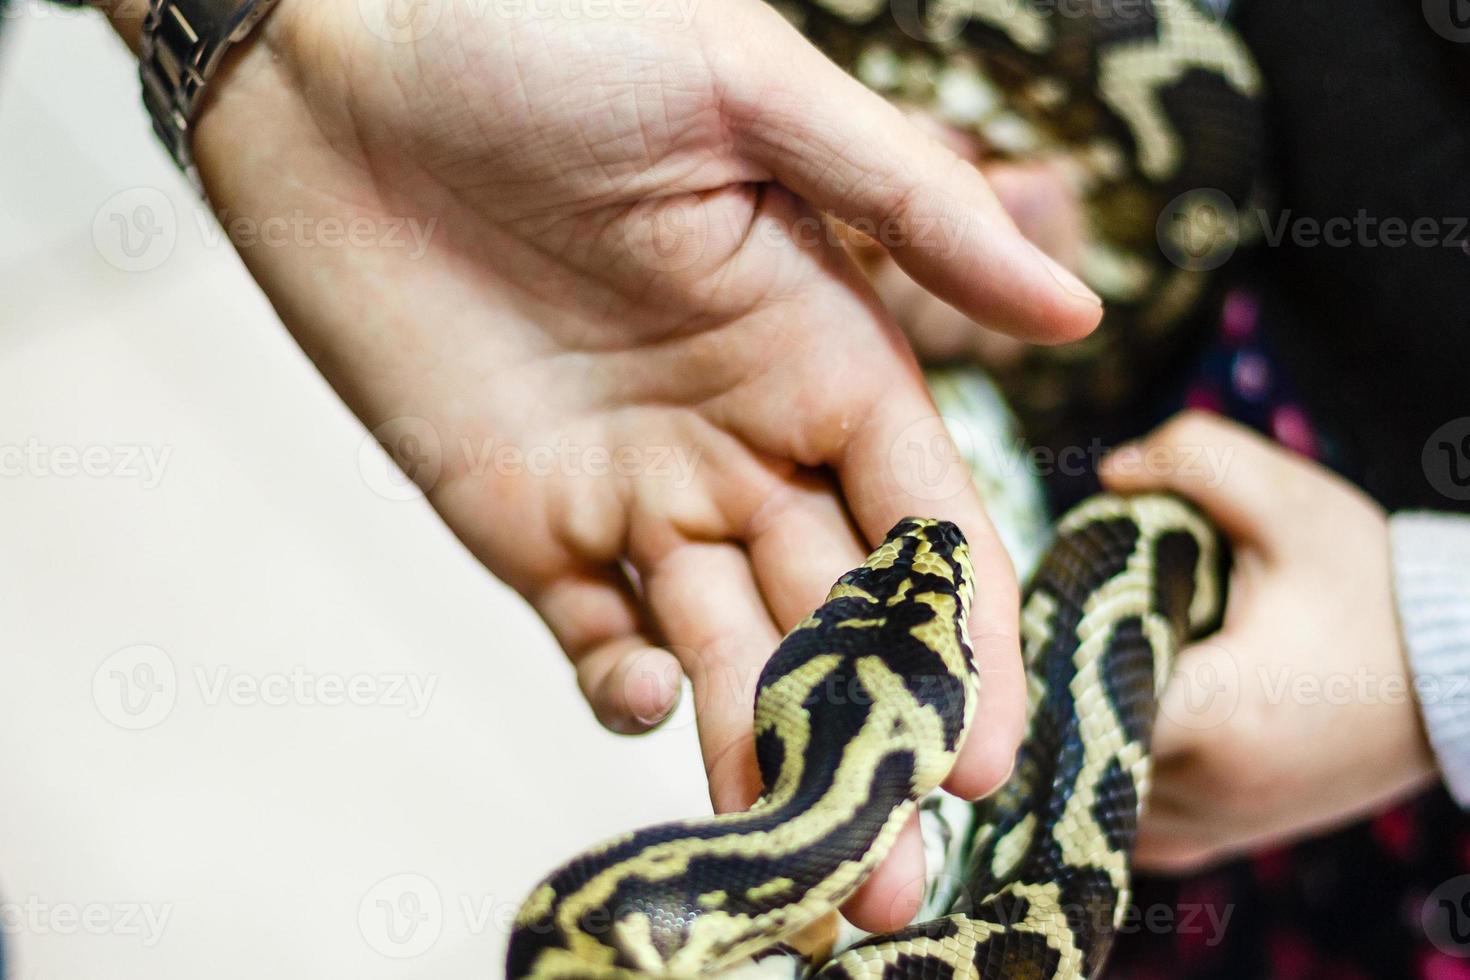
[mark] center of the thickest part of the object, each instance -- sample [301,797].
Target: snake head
[918,547]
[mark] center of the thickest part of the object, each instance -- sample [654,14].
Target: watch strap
[183,43]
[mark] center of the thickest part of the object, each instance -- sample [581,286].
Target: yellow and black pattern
[1152,107]
[859,713]
[863,707]
[1126,582]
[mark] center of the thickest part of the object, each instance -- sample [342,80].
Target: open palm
[668,409]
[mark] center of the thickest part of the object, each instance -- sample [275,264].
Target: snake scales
[1151,108]
[860,712]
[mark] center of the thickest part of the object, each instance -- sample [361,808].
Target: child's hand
[1300,714]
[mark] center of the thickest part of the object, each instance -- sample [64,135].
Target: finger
[902,462]
[799,547]
[938,332]
[847,151]
[798,552]
[965,144]
[1044,204]
[1047,212]
[625,678]
[705,601]
[891,896]
[1237,477]
[631,685]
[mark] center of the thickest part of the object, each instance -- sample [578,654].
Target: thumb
[849,152]
[1235,476]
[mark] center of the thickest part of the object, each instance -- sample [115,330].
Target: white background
[270,840]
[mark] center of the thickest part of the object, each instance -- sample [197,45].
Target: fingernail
[623,726]
[1066,279]
[659,713]
[637,724]
[648,694]
[648,721]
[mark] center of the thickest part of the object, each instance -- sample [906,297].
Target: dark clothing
[1358,350]
[1369,114]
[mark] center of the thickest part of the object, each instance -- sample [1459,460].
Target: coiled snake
[859,714]
[861,710]
[1151,108]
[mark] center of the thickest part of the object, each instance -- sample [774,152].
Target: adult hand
[627,253]
[1045,206]
[1300,714]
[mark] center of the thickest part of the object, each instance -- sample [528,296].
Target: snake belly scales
[861,710]
[859,714]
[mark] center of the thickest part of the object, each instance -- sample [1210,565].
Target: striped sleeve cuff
[1431,565]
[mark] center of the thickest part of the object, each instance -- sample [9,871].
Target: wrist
[126,17]
[187,51]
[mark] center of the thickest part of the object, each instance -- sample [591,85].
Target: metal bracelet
[182,46]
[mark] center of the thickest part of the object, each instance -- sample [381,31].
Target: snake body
[860,712]
[1153,105]
[1125,583]
[1152,108]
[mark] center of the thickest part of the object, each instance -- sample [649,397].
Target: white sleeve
[1431,571]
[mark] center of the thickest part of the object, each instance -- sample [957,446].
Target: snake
[1154,112]
[860,713]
